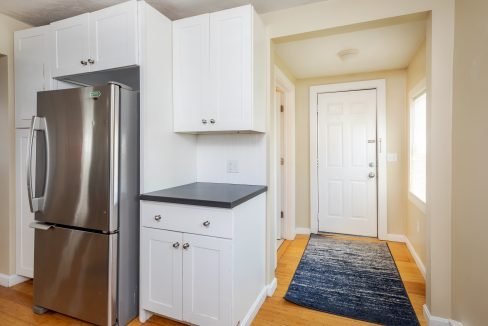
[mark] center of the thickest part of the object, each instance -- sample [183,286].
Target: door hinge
[282,161]
[282,214]
[282,108]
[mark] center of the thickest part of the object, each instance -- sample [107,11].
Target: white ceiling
[41,12]
[382,45]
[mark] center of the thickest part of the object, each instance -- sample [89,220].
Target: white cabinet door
[70,46]
[231,68]
[190,74]
[113,37]
[161,272]
[31,72]
[207,280]
[24,234]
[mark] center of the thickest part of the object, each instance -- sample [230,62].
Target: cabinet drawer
[209,221]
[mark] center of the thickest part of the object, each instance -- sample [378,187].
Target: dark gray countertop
[223,195]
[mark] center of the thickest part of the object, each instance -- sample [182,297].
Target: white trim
[11,280]
[438,321]
[380,85]
[271,288]
[253,311]
[302,231]
[288,88]
[396,238]
[416,257]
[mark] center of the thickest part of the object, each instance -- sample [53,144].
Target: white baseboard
[271,288]
[302,230]
[11,280]
[253,311]
[396,237]
[416,257]
[438,321]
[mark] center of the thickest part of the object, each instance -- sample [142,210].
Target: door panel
[77,176]
[347,155]
[207,280]
[70,46]
[113,36]
[161,272]
[75,274]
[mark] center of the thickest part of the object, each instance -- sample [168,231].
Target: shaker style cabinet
[31,72]
[101,40]
[219,72]
[24,234]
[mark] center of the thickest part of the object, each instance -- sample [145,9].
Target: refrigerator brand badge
[95,94]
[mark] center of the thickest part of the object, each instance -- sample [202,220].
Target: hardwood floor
[16,302]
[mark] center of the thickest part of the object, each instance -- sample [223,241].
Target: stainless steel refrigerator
[83,183]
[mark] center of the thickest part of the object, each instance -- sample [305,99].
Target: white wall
[248,150]
[330,14]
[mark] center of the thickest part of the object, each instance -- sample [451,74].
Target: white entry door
[347,162]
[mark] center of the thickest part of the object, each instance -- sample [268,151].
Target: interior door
[113,37]
[347,162]
[207,280]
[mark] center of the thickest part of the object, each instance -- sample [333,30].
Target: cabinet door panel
[24,234]
[231,68]
[70,46]
[31,72]
[113,37]
[161,272]
[190,73]
[207,280]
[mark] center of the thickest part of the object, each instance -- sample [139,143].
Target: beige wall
[416,219]
[7,144]
[396,143]
[470,164]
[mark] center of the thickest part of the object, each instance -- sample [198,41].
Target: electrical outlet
[232,166]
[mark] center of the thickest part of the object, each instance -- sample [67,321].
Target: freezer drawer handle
[40,226]
[37,124]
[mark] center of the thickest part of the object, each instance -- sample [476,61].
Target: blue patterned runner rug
[354,279]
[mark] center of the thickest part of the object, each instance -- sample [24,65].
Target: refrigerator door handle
[37,124]
[40,226]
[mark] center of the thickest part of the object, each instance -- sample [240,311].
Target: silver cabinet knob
[186,246]
[204,121]
[371,175]
[176,245]
[83,62]
[212,121]
[206,224]
[91,61]
[157,218]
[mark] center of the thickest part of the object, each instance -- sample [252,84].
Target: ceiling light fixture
[347,54]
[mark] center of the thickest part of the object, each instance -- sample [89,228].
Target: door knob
[371,175]
[212,121]
[176,245]
[91,61]
[83,62]
[157,218]
[371,164]
[206,224]
[186,246]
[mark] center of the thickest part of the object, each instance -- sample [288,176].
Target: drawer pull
[176,245]
[206,224]
[157,218]
[186,246]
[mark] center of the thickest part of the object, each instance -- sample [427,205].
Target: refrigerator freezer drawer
[75,273]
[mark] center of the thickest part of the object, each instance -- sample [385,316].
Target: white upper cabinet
[219,72]
[31,72]
[190,73]
[70,46]
[113,37]
[101,40]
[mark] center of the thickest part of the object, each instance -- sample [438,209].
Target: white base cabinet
[202,279]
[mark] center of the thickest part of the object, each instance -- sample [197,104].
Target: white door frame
[380,86]
[288,89]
